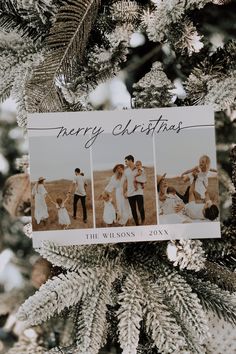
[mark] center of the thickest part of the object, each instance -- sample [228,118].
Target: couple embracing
[128,184]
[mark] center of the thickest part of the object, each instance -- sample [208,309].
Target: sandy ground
[101,179]
[58,189]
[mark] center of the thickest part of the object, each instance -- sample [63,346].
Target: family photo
[124,183]
[61,197]
[187,181]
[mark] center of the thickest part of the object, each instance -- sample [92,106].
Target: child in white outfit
[202,172]
[140,172]
[109,212]
[63,216]
[168,206]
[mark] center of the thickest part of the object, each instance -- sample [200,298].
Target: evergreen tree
[148,297]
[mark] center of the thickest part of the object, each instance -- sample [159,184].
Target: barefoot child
[109,212]
[140,172]
[202,173]
[63,216]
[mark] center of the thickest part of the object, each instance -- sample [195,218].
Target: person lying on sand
[194,210]
[168,198]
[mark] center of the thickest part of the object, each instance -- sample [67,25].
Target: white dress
[63,216]
[41,209]
[201,183]
[109,213]
[122,203]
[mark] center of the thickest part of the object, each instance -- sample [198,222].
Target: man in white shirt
[134,192]
[80,185]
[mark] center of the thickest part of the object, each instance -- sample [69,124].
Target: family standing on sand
[128,183]
[40,196]
[195,203]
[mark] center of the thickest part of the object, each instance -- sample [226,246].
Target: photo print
[126,176]
[61,184]
[124,181]
[187,180]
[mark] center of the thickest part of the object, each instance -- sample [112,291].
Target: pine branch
[17,60]
[220,275]
[30,18]
[92,317]
[160,322]
[185,38]
[130,313]
[158,22]
[57,294]
[193,345]
[75,257]
[12,21]
[212,81]
[66,44]
[218,249]
[104,64]
[10,301]
[180,296]
[233,161]
[221,93]
[153,90]
[38,12]
[221,302]
[27,347]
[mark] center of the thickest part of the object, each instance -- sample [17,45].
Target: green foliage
[130,313]
[31,18]
[65,45]
[57,294]
[161,324]
[215,299]
[150,307]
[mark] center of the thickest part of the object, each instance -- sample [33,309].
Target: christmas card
[124,176]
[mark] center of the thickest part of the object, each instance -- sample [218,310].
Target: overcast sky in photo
[57,159]
[176,153]
[109,150]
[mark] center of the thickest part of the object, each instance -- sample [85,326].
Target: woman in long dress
[39,193]
[116,183]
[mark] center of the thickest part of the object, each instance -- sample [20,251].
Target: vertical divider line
[92,186]
[155,177]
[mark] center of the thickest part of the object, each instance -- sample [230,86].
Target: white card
[124,176]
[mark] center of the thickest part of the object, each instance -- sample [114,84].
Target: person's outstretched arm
[189,171]
[67,198]
[49,197]
[52,201]
[125,188]
[72,186]
[212,170]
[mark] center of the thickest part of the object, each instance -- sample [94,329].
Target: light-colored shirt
[169,204]
[201,183]
[130,176]
[80,183]
[195,210]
